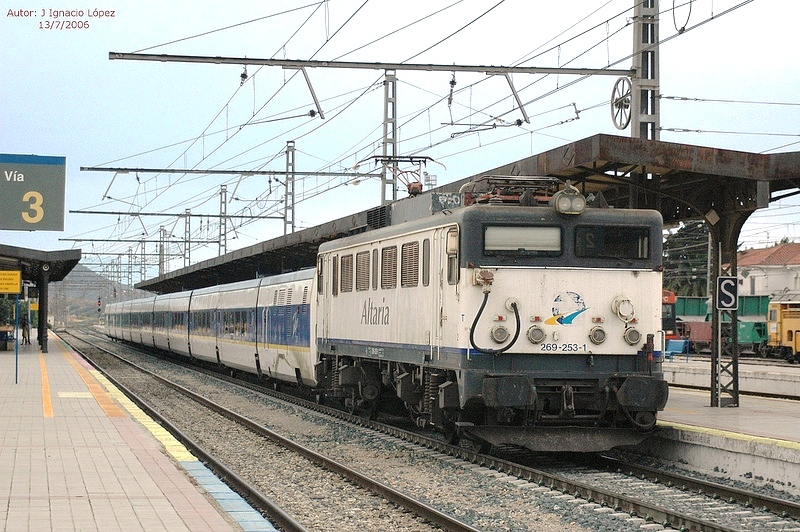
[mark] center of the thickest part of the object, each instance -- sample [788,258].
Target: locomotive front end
[561,316]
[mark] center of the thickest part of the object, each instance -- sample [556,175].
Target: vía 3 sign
[32,191]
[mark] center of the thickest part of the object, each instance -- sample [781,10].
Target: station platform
[76,454]
[756,442]
[778,380]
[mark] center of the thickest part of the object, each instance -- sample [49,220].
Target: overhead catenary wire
[456,32]
[231,26]
[236,91]
[422,19]
[717,100]
[405,139]
[219,113]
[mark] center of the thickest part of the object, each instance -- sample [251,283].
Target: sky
[728,80]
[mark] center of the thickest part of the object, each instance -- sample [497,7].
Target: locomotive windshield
[522,240]
[612,242]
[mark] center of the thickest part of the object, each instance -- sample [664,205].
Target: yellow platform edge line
[173,447]
[100,386]
[47,401]
[106,403]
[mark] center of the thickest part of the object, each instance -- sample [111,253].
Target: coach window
[335,275]
[362,271]
[426,262]
[409,265]
[452,256]
[347,273]
[389,267]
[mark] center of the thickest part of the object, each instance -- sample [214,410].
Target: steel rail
[780,507]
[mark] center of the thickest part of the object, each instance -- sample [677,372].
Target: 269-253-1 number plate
[574,348]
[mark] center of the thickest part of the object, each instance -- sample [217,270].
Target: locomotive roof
[497,214]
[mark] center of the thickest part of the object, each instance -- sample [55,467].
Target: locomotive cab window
[426,262]
[375,264]
[612,242]
[522,240]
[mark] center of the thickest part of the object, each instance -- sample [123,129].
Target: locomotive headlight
[623,308]
[536,334]
[632,336]
[499,333]
[597,335]
[569,200]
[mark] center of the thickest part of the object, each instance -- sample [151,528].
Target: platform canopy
[42,268]
[682,181]
[34,264]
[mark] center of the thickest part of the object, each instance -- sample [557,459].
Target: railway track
[640,494]
[350,484]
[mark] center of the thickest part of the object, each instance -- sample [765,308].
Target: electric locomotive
[526,318]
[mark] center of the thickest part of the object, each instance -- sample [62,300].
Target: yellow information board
[10,282]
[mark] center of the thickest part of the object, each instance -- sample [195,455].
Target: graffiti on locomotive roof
[566,307]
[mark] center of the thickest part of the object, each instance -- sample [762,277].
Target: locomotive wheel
[452,437]
[451,434]
[645,421]
[360,407]
[349,404]
[475,445]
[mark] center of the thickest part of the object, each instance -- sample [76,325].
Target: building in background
[769,270]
